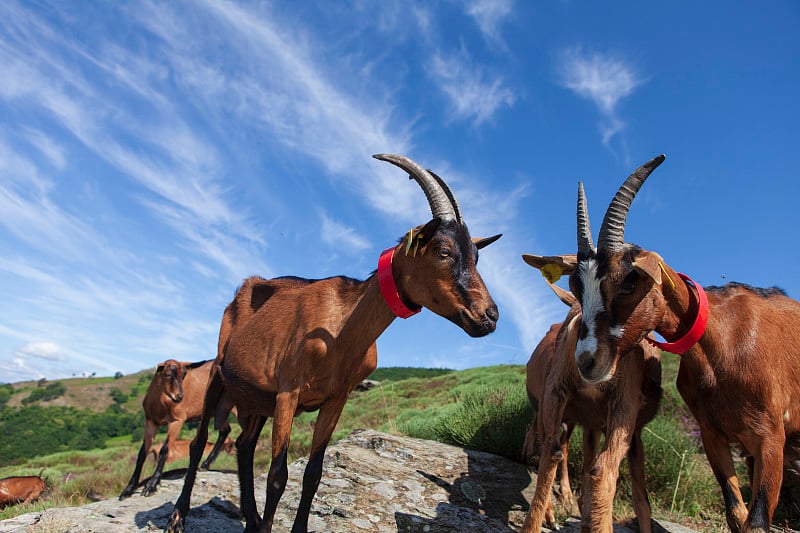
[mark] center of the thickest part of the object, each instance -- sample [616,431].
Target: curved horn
[612,232]
[437,198]
[450,196]
[585,244]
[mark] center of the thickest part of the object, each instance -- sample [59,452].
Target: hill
[484,409]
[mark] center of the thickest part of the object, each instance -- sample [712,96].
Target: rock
[371,482]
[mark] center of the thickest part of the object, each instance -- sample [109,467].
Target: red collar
[388,287]
[681,345]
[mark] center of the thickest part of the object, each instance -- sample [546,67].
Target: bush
[53,390]
[490,419]
[118,396]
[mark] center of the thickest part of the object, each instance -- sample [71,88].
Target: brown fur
[20,489]
[309,344]
[174,396]
[619,409]
[740,380]
[180,449]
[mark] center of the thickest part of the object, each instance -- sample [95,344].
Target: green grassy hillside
[481,408]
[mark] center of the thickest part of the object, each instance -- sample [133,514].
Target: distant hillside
[96,393]
[87,392]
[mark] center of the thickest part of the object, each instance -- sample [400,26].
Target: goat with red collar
[306,347]
[740,362]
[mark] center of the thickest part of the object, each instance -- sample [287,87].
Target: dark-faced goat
[308,346]
[619,409]
[739,355]
[175,396]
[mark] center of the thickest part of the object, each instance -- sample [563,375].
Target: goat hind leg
[245,449]
[719,457]
[641,503]
[767,479]
[224,431]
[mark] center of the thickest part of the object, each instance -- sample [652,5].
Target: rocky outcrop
[372,482]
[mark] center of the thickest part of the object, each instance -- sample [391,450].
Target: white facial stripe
[591,304]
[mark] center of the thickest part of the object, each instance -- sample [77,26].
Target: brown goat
[21,489]
[308,346]
[738,374]
[619,409]
[175,396]
[179,449]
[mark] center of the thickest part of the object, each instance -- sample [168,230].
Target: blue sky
[154,154]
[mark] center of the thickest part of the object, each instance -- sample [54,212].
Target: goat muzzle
[479,324]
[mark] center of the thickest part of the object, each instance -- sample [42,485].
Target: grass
[481,408]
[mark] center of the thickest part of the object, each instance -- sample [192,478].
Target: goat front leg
[550,454]
[603,475]
[641,503]
[589,446]
[285,407]
[245,450]
[566,498]
[326,422]
[718,453]
[767,479]
[173,430]
[150,429]
[213,393]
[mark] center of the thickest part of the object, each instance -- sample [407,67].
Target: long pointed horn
[450,196]
[612,232]
[437,198]
[585,244]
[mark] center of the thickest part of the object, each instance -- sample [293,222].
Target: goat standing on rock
[175,396]
[619,409]
[740,361]
[308,346]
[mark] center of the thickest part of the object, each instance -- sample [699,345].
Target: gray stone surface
[371,482]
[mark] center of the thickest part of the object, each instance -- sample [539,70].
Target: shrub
[490,419]
[53,390]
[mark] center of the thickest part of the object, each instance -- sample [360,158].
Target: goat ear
[426,232]
[564,295]
[554,266]
[486,241]
[649,263]
[159,369]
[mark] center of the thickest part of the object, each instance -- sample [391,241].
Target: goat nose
[586,364]
[492,313]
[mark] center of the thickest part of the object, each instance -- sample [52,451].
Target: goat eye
[628,284]
[444,252]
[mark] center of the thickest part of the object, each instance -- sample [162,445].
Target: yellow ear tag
[416,244]
[664,270]
[552,272]
[409,239]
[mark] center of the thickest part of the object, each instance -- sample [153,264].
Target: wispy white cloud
[474,94]
[42,350]
[340,237]
[489,15]
[602,78]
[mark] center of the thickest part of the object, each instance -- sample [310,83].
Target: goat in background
[619,409]
[740,361]
[174,396]
[308,346]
